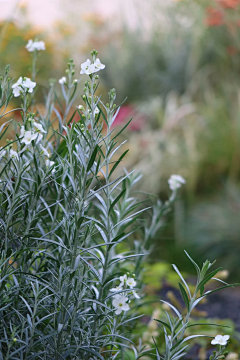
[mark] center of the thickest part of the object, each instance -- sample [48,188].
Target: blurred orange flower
[214,17]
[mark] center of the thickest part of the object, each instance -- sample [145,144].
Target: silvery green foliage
[63,215]
[174,329]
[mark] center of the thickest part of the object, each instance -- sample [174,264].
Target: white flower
[96,111]
[220,340]
[29,137]
[35,45]
[17,87]
[80,107]
[28,84]
[117,288]
[123,279]
[2,152]
[44,151]
[176,181]
[49,164]
[88,68]
[39,137]
[63,80]
[85,66]
[23,84]
[135,294]
[120,304]
[98,65]
[13,154]
[131,283]
[23,131]
[39,127]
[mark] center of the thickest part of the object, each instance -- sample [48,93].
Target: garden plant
[73,236]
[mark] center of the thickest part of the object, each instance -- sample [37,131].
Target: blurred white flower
[23,131]
[2,152]
[23,84]
[44,151]
[49,164]
[35,45]
[120,304]
[220,340]
[80,107]
[176,181]
[13,154]
[29,137]
[99,65]
[135,294]
[131,283]
[117,288]
[39,127]
[123,279]
[63,80]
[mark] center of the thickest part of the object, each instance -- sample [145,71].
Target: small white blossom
[80,107]
[131,282]
[117,288]
[85,66]
[49,163]
[220,340]
[176,181]
[29,137]
[99,65]
[63,80]
[28,84]
[23,84]
[13,154]
[39,127]
[120,304]
[17,87]
[23,131]
[123,279]
[44,151]
[39,137]
[2,152]
[35,45]
[96,111]
[135,294]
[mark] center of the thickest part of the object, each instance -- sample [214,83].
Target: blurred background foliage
[179,66]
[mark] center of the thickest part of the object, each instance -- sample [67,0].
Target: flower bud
[75,81]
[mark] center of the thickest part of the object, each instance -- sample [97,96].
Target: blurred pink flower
[214,17]
[229,4]
[126,113]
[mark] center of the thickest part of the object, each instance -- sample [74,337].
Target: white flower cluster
[12,153]
[88,68]
[175,182]
[30,135]
[35,45]
[23,85]
[120,300]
